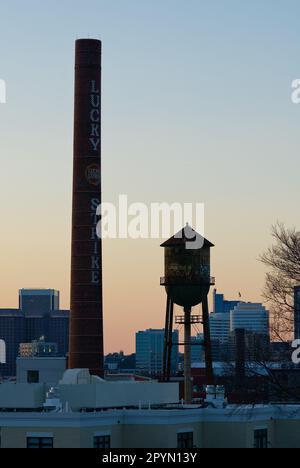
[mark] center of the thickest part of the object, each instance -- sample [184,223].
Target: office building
[220,318]
[222,306]
[40,370]
[25,325]
[229,316]
[253,319]
[150,350]
[197,348]
[250,317]
[36,302]
[220,327]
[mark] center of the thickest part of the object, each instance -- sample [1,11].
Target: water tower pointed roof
[187,234]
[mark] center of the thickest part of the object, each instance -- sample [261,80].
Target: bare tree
[283,261]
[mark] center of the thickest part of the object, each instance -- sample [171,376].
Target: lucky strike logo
[92,174]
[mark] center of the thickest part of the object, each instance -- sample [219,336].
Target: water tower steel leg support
[207,343]
[187,356]
[168,340]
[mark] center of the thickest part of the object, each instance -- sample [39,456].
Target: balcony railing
[194,319]
[187,281]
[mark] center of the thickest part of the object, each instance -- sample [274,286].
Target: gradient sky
[196,108]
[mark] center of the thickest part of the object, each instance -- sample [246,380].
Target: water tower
[187,281]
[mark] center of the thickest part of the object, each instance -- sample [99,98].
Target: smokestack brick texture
[86,324]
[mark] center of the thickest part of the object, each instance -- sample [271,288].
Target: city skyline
[197,95]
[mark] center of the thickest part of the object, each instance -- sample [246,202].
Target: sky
[196,108]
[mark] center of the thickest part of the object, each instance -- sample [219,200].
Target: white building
[87,412]
[40,370]
[252,317]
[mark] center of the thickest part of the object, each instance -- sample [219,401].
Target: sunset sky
[196,108]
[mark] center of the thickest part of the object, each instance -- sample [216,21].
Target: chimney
[86,322]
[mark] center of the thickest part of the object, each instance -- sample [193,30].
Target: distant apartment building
[150,350]
[38,316]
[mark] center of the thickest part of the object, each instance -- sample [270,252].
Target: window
[185,440]
[33,377]
[102,442]
[40,442]
[261,438]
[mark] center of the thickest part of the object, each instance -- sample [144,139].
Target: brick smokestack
[86,323]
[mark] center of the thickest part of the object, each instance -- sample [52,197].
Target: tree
[283,262]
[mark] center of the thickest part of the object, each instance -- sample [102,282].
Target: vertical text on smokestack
[93,176]
[95,116]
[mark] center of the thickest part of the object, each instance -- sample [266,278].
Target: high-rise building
[250,317]
[12,333]
[38,301]
[220,327]
[253,319]
[297,312]
[220,318]
[197,348]
[150,350]
[222,306]
[25,325]
[229,316]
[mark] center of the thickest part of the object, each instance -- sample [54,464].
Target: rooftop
[187,234]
